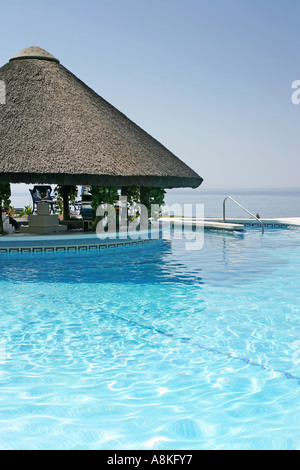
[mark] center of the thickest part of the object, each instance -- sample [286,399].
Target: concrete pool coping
[23,243]
[235,224]
[207,224]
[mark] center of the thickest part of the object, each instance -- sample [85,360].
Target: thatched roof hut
[55,129]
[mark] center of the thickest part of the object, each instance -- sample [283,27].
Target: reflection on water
[153,346]
[224,260]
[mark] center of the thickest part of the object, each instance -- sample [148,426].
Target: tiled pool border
[90,243]
[71,243]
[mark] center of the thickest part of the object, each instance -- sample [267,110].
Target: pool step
[207,224]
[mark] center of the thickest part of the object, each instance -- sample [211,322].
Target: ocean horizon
[268,203]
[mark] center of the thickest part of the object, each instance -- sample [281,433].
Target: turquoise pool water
[154,347]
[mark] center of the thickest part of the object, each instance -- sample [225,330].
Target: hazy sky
[211,80]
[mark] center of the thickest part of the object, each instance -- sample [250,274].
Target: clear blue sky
[211,80]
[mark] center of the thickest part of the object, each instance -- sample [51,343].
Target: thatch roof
[55,129]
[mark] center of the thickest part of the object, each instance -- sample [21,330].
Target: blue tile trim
[24,248]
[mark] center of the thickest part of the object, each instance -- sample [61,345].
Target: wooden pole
[65,196]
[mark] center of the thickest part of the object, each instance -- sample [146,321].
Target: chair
[87,212]
[13,222]
[37,193]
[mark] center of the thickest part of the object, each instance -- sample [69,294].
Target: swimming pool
[153,347]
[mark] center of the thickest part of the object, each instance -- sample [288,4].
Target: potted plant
[26,212]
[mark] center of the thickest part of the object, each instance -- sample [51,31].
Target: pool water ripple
[154,348]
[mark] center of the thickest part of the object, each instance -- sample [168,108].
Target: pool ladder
[242,207]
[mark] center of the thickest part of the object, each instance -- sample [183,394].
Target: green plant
[132,193]
[5,193]
[28,210]
[151,196]
[135,195]
[60,192]
[104,195]
[133,199]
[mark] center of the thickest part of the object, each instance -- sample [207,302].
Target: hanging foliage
[151,196]
[104,195]
[5,193]
[135,195]
[59,192]
[132,193]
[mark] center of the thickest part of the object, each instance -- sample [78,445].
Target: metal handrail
[242,207]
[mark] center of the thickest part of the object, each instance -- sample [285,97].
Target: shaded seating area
[42,223]
[102,147]
[42,193]
[86,214]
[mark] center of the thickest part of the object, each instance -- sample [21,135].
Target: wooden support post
[65,196]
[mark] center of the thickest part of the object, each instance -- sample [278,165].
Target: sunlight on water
[154,348]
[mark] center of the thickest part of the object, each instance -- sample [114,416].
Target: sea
[268,203]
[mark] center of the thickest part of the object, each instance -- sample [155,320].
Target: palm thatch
[55,129]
